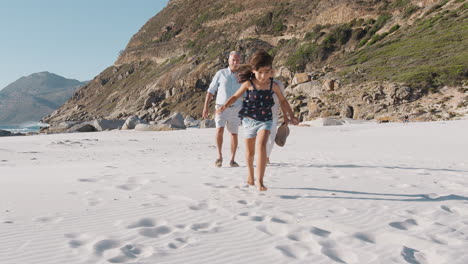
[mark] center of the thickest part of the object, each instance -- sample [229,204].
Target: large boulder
[312,89]
[207,123]
[348,112]
[150,102]
[284,72]
[332,122]
[61,127]
[175,121]
[132,121]
[5,133]
[83,127]
[191,122]
[400,93]
[329,85]
[325,121]
[155,127]
[300,78]
[105,124]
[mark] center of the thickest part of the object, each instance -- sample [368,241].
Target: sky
[74,39]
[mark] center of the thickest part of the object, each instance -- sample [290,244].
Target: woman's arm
[244,87]
[285,114]
[285,107]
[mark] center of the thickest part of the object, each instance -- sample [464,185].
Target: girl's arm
[285,107]
[244,87]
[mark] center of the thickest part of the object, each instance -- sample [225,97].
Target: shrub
[393,29]
[408,11]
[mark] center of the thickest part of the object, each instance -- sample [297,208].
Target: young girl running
[258,85]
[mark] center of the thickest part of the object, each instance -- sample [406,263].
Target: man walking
[225,84]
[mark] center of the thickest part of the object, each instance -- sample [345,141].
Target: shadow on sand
[352,166]
[403,197]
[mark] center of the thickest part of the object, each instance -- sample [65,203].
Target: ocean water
[24,128]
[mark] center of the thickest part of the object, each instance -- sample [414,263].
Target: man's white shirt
[226,85]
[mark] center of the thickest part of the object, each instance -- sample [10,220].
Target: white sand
[369,193]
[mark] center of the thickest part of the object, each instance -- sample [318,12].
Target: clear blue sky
[74,39]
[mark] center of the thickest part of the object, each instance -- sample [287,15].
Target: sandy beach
[357,193]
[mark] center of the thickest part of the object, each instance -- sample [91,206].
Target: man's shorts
[252,126]
[229,118]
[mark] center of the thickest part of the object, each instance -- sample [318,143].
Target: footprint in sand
[405,225]
[215,185]
[106,244]
[143,222]
[133,184]
[91,180]
[251,216]
[48,219]
[336,253]
[301,235]
[93,201]
[319,232]
[202,205]
[296,251]
[122,252]
[78,240]
[208,227]
[366,237]
[132,252]
[413,256]
[445,240]
[338,210]
[181,242]
[66,143]
[275,226]
[454,209]
[451,185]
[155,232]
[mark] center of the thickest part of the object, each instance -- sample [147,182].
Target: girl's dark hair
[260,59]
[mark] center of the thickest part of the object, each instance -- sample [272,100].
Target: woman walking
[259,87]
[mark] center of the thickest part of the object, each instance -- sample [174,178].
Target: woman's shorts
[252,126]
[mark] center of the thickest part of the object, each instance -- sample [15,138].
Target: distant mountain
[35,96]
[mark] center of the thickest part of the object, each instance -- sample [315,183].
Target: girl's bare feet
[251,181]
[261,186]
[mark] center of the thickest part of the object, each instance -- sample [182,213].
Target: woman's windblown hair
[245,73]
[260,59]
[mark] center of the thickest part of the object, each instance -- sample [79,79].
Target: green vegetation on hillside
[272,22]
[430,54]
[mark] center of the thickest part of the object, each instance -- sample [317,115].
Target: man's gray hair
[234,53]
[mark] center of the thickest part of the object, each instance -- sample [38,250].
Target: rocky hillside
[367,59]
[32,97]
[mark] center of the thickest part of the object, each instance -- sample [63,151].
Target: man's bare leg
[219,142]
[234,143]
[261,156]
[249,158]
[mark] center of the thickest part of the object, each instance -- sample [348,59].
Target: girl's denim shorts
[252,126]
